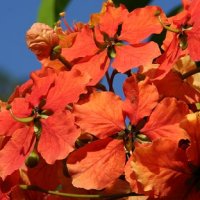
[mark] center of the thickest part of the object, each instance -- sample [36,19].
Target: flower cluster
[64,131]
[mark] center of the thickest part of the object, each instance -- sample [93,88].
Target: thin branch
[109,82]
[190,73]
[97,196]
[128,73]
[66,63]
[107,78]
[174,30]
[100,86]
[112,79]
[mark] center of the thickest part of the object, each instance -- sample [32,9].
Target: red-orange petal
[139,103]
[98,164]
[16,150]
[165,120]
[130,56]
[161,169]
[141,23]
[57,137]
[101,115]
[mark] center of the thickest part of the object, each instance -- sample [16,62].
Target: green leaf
[131,5]
[49,11]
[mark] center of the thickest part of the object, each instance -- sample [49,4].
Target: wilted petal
[41,39]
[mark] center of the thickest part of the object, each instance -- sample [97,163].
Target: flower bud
[41,39]
[32,160]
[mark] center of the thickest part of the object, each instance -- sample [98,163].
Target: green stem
[65,62]
[190,73]
[21,119]
[38,189]
[168,27]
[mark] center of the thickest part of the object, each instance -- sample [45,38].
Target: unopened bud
[111,52]
[41,39]
[55,53]
[32,160]
[183,41]
[8,107]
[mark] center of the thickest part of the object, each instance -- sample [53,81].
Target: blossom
[40,121]
[99,116]
[182,40]
[174,173]
[118,35]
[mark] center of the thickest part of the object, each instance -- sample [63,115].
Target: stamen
[62,15]
[168,27]
[58,24]
[21,119]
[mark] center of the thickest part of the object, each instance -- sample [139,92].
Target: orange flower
[41,115]
[167,169]
[183,38]
[118,34]
[103,114]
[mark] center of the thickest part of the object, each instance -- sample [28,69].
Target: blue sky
[17,16]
